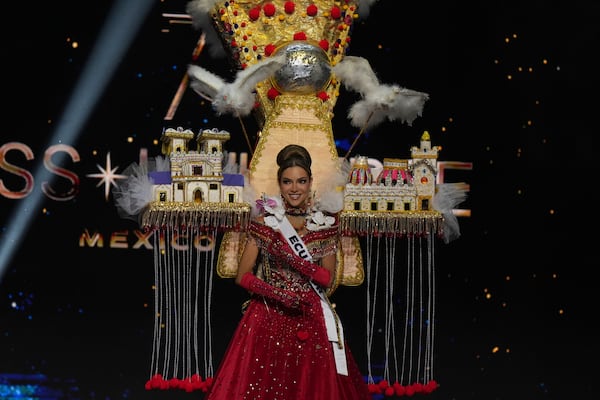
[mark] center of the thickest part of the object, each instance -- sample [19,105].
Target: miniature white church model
[196,176]
[403,185]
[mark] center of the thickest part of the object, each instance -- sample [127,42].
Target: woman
[289,344]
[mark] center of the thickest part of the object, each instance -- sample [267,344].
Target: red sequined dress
[279,353]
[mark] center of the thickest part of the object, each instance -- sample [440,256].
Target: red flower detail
[269,9]
[299,36]
[323,95]
[254,13]
[302,335]
[336,12]
[399,389]
[269,49]
[273,93]
[374,389]
[324,44]
[289,7]
[312,10]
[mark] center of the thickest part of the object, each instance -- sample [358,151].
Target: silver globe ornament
[306,69]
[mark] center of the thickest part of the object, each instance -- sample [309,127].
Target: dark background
[519,279]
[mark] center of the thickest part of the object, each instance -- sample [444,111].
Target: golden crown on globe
[311,36]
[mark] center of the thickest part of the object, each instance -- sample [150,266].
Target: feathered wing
[379,101]
[446,198]
[204,82]
[356,74]
[238,97]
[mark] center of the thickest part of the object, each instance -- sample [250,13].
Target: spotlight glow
[117,34]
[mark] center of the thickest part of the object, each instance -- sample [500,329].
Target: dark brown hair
[293,155]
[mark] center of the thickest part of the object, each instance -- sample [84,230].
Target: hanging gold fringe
[220,216]
[399,224]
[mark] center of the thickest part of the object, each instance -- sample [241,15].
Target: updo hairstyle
[293,155]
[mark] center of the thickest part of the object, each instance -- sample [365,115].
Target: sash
[335,332]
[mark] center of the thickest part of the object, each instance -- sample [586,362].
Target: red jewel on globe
[269,9]
[289,7]
[336,12]
[254,13]
[299,36]
[323,96]
[312,10]
[324,44]
[273,93]
[269,49]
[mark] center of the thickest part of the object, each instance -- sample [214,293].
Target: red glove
[312,271]
[257,286]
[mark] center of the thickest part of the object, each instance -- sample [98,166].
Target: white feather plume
[446,198]
[200,13]
[379,101]
[238,97]
[249,196]
[133,194]
[364,7]
[204,82]
[329,191]
[161,164]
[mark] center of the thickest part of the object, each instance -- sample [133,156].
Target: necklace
[296,212]
[301,211]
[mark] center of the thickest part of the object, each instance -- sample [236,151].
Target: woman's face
[295,186]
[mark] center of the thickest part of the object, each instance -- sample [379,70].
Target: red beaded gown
[279,353]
